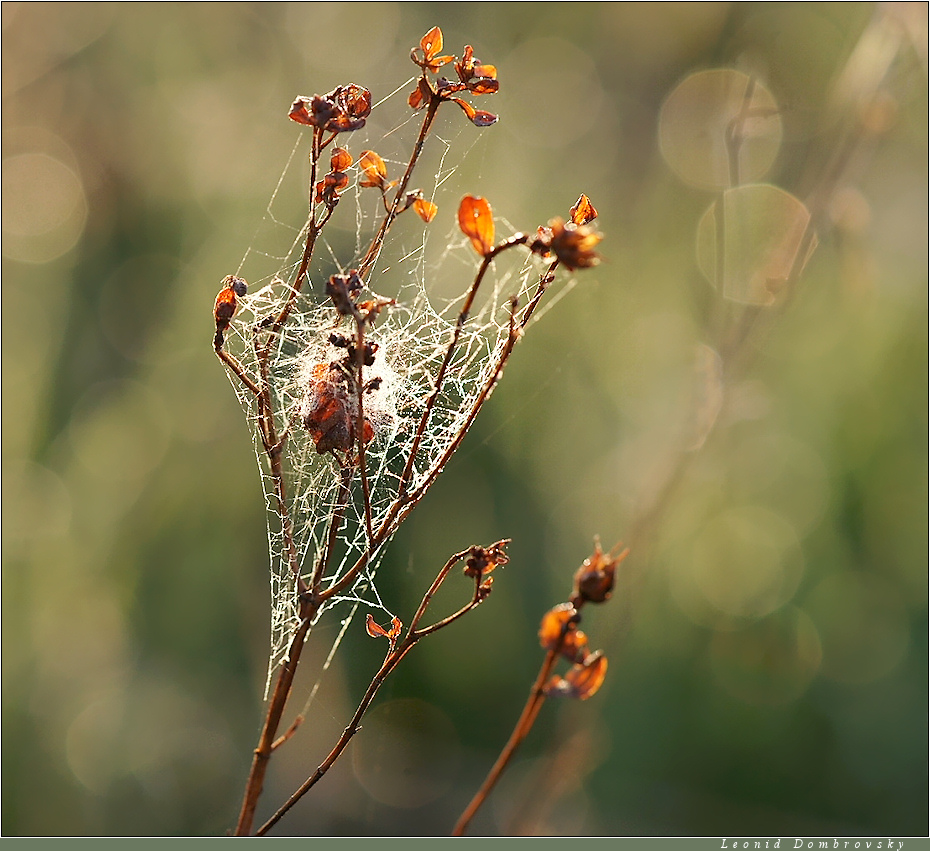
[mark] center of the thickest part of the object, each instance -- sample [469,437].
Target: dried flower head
[473,77]
[573,244]
[344,109]
[429,48]
[483,560]
[477,78]
[329,409]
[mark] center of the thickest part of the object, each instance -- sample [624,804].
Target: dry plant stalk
[334,409]
[560,637]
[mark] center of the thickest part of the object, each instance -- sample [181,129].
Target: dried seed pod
[226,305]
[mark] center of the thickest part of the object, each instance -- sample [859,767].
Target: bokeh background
[768,638]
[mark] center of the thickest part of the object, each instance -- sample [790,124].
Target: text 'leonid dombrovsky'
[815,844]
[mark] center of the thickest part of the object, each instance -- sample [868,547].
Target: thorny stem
[395,654]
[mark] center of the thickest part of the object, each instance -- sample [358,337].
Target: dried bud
[338,289]
[594,580]
[556,624]
[226,305]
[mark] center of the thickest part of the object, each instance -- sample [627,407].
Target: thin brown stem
[313,230]
[395,654]
[517,239]
[377,243]
[360,426]
[520,732]
[238,370]
[262,754]
[335,519]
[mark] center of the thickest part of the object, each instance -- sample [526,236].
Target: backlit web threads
[426,280]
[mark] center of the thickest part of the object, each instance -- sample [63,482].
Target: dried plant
[383,389]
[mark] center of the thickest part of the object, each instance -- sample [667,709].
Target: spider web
[427,272]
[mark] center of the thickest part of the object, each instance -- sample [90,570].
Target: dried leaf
[583,212]
[375,630]
[340,160]
[300,111]
[374,168]
[426,210]
[585,679]
[483,119]
[478,117]
[467,108]
[581,681]
[477,223]
[431,43]
[484,86]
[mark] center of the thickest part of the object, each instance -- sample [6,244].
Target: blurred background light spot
[746,561]
[779,471]
[772,661]
[697,118]
[119,430]
[37,504]
[407,754]
[749,245]
[862,623]
[91,744]
[44,208]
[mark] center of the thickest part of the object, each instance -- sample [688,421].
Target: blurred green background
[768,638]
